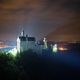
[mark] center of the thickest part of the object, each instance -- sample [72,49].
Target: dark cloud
[49,2]
[15,11]
[5,1]
[72,5]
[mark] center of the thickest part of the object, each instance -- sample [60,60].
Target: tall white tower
[45,43]
[18,45]
[21,42]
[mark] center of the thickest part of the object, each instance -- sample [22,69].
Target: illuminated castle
[25,43]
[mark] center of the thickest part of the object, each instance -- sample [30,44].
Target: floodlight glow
[13,52]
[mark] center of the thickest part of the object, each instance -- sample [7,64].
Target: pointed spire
[22,33]
[44,40]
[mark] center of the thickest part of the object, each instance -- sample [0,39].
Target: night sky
[39,18]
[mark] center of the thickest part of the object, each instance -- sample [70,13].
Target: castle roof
[22,38]
[31,38]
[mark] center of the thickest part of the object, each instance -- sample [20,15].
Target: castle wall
[23,46]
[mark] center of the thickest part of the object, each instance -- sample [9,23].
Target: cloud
[36,16]
[73,5]
[5,1]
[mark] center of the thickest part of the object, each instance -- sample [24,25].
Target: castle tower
[21,42]
[45,43]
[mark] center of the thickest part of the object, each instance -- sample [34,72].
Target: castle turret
[21,42]
[22,33]
[45,43]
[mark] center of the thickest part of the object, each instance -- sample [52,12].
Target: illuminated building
[25,43]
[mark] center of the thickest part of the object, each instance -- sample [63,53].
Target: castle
[24,43]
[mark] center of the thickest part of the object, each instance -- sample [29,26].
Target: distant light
[62,49]
[55,49]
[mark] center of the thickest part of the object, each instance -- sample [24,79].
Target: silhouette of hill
[31,66]
[41,67]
